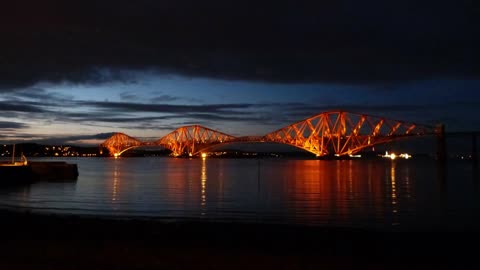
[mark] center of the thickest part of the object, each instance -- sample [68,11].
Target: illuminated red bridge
[330,133]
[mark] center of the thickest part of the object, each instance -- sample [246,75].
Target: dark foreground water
[380,194]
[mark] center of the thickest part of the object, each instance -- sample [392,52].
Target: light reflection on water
[204,187]
[360,193]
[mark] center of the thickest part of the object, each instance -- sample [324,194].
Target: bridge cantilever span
[119,143]
[330,133]
[190,140]
[341,133]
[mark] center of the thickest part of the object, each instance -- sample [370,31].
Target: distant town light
[204,155]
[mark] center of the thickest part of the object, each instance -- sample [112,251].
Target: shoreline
[38,241]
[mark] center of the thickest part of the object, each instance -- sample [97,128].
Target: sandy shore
[34,241]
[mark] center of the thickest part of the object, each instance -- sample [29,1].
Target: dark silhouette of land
[62,151]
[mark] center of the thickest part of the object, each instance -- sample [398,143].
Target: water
[379,194]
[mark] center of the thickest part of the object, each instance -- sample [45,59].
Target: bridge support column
[441,143]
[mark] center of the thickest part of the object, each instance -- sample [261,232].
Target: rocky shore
[36,241]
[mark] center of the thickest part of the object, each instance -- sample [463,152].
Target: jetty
[24,172]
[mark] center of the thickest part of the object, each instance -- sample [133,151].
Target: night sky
[76,71]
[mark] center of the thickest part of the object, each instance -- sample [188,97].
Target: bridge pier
[441,143]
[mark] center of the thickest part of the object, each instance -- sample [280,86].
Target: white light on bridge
[204,155]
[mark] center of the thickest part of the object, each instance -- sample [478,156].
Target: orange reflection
[350,180]
[180,179]
[341,202]
[324,191]
[204,186]
[393,182]
[116,176]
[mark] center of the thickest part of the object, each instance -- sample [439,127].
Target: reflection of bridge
[329,133]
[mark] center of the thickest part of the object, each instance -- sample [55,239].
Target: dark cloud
[8,106]
[164,108]
[33,97]
[12,125]
[33,93]
[128,96]
[156,97]
[287,41]
[99,136]
[271,113]
[165,98]
[45,108]
[191,114]
[72,139]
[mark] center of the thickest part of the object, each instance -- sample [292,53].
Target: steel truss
[341,133]
[190,140]
[330,133]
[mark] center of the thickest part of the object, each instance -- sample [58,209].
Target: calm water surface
[382,194]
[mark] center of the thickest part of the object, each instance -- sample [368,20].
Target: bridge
[336,133]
